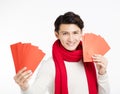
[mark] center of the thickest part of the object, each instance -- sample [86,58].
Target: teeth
[70,44]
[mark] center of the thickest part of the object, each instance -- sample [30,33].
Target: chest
[77,81]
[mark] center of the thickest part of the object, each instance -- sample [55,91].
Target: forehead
[69,27]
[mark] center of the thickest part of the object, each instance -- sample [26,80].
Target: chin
[71,49]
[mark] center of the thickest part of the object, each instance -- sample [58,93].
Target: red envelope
[26,55]
[93,44]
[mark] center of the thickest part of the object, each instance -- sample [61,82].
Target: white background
[33,21]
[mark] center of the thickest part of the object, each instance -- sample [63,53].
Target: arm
[44,80]
[103,84]
[101,66]
[22,78]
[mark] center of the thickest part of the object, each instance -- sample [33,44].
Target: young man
[65,72]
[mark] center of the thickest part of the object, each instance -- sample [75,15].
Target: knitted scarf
[60,54]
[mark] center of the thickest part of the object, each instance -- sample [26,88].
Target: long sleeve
[77,81]
[103,84]
[44,81]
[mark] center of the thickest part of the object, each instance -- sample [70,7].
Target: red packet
[26,55]
[93,44]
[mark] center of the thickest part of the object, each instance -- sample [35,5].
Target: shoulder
[50,59]
[46,67]
[47,64]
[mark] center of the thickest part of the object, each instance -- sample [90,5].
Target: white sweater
[77,81]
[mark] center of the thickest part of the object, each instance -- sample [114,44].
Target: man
[65,72]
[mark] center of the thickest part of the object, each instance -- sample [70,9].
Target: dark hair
[68,18]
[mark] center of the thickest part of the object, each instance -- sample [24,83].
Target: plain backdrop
[33,21]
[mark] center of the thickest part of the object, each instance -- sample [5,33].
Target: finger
[97,58]
[24,75]
[26,78]
[21,71]
[18,74]
[97,55]
[25,84]
[97,61]
[100,64]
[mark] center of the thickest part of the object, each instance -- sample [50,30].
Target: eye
[65,33]
[75,32]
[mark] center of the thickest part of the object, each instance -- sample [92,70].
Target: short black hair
[68,18]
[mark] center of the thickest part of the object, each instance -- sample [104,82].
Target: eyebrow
[72,31]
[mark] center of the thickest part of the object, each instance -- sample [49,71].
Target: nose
[70,37]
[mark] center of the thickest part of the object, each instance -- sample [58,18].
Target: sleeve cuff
[103,77]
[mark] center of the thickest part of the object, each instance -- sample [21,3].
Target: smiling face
[69,36]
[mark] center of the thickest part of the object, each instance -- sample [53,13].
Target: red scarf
[60,54]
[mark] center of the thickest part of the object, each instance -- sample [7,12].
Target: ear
[56,34]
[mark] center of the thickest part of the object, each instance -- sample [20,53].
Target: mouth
[71,44]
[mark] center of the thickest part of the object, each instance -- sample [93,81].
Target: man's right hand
[22,78]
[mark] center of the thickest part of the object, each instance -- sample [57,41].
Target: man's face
[69,36]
